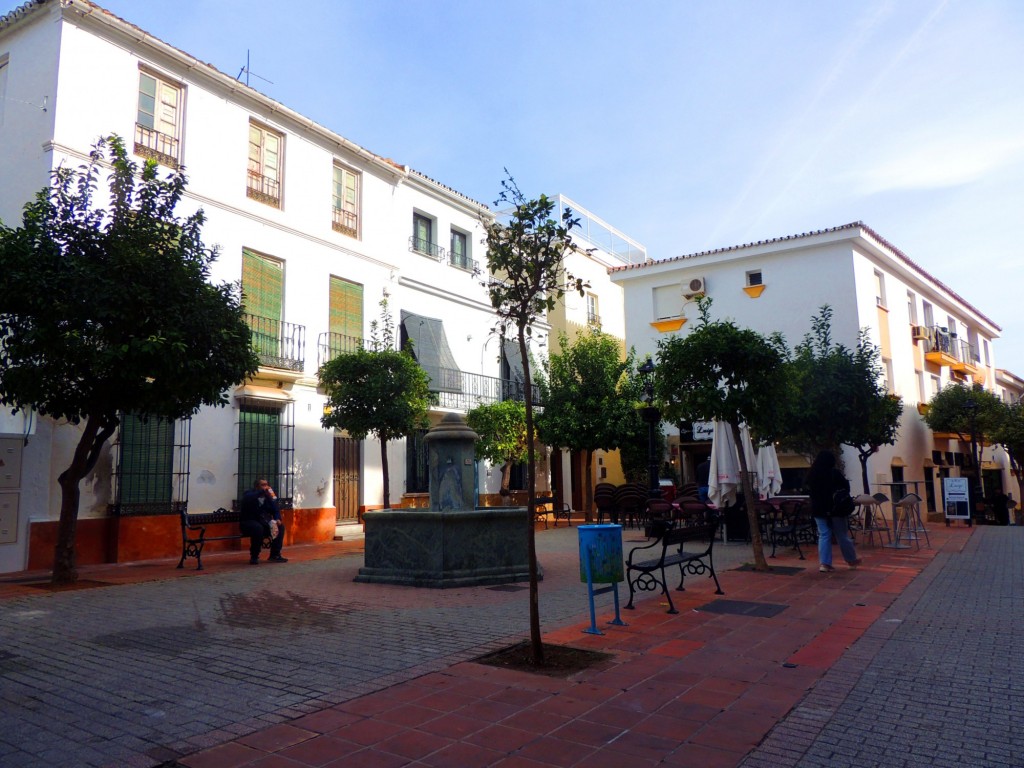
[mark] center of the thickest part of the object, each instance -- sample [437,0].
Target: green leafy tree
[108,309]
[502,430]
[584,406]
[525,256]
[380,391]
[1009,432]
[971,412]
[837,396]
[633,446]
[724,372]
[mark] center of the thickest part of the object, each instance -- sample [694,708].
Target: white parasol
[769,475]
[724,479]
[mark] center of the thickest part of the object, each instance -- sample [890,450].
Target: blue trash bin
[602,544]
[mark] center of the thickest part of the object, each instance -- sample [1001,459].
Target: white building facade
[317,229]
[928,335]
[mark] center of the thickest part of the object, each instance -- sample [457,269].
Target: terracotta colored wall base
[128,539]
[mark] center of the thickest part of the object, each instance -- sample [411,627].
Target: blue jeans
[827,526]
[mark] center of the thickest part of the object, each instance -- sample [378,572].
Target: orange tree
[525,256]
[381,391]
[723,372]
[109,310]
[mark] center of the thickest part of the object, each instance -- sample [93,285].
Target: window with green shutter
[259,444]
[263,297]
[146,460]
[346,308]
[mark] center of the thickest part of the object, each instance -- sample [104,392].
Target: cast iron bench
[648,575]
[193,533]
[546,503]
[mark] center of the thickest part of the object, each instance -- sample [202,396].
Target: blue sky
[687,125]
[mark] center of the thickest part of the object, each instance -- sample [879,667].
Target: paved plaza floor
[905,661]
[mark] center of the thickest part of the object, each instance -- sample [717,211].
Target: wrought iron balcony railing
[330,345]
[278,344]
[969,353]
[157,146]
[346,222]
[263,188]
[941,341]
[461,390]
[462,261]
[427,248]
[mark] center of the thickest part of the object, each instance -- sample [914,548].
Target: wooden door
[346,479]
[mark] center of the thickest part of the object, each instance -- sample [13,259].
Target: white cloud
[938,163]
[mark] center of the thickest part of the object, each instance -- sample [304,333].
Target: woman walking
[822,481]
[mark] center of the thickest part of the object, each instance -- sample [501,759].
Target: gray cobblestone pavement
[139,674]
[937,681]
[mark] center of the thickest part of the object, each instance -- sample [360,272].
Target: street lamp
[972,411]
[652,416]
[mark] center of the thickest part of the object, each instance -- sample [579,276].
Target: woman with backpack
[822,482]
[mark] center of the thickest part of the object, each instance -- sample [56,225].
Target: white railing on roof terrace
[593,232]
[602,235]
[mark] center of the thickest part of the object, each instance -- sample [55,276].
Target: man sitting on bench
[258,517]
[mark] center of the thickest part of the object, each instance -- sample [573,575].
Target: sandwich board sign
[955,499]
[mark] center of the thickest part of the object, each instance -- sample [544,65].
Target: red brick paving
[692,689]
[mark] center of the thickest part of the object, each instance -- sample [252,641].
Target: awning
[514,360]
[431,350]
[251,393]
[897,461]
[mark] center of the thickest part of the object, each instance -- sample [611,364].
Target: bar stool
[873,517]
[907,522]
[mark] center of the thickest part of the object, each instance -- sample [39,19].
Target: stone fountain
[453,543]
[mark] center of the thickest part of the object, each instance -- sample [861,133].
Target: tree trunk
[760,564]
[506,474]
[864,456]
[536,646]
[384,471]
[588,484]
[96,432]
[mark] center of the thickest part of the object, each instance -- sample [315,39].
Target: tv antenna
[245,70]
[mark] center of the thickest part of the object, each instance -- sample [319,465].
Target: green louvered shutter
[346,308]
[262,294]
[147,456]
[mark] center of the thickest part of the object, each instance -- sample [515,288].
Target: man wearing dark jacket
[259,508]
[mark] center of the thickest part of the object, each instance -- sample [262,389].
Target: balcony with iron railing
[969,360]
[462,261]
[426,248]
[330,345]
[156,146]
[594,319]
[346,222]
[941,349]
[265,189]
[278,344]
[463,391]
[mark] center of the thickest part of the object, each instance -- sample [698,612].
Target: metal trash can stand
[602,546]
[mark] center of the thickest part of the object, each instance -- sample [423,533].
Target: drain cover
[508,588]
[743,608]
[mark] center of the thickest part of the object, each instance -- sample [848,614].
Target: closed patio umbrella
[724,478]
[769,475]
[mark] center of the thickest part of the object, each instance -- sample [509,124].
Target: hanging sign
[703,430]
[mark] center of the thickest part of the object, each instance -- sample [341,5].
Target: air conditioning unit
[919,332]
[694,287]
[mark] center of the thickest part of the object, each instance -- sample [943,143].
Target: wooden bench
[545,504]
[194,538]
[648,575]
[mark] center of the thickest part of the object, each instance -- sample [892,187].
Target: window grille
[152,466]
[266,448]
